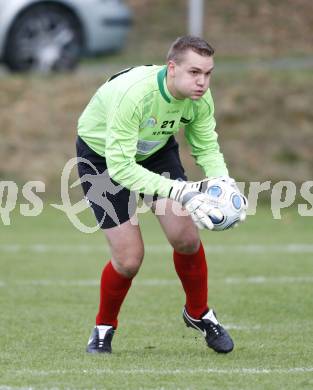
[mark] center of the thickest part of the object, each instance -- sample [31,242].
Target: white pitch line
[86,283]
[159,282]
[230,326]
[57,282]
[159,248]
[178,371]
[242,327]
[3,387]
[270,280]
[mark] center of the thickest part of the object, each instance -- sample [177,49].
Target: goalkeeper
[126,140]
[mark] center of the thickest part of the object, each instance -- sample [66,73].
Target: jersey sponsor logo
[150,122]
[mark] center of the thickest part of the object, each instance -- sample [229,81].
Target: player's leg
[127,252]
[188,254]
[191,267]
[114,208]
[126,247]
[180,231]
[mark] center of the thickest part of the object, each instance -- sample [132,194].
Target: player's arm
[121,148]
[202,137]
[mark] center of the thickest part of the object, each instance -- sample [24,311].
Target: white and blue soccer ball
[229,206]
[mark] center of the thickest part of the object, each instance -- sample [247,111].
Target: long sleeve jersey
[132,116]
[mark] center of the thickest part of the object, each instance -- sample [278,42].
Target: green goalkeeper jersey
[133,115]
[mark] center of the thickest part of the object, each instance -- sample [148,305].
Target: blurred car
[53,35]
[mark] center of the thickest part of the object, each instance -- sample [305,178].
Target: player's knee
[128,264]
[187,245]
[131,267]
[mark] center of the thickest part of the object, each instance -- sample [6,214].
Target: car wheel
[44,38]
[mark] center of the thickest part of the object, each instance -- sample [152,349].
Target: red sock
[113,290]
[193,273]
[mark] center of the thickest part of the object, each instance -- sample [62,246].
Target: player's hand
[180,188]
[194,201]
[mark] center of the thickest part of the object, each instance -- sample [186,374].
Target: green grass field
[260,283]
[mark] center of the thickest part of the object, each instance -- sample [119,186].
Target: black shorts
[111,203]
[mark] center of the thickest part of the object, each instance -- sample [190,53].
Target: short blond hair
[188,42]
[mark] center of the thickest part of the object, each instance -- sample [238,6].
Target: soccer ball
[229,205]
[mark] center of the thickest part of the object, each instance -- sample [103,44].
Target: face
[190,78]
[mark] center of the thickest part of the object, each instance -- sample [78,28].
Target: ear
[171,65]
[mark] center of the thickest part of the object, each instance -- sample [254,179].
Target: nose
[201,80]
